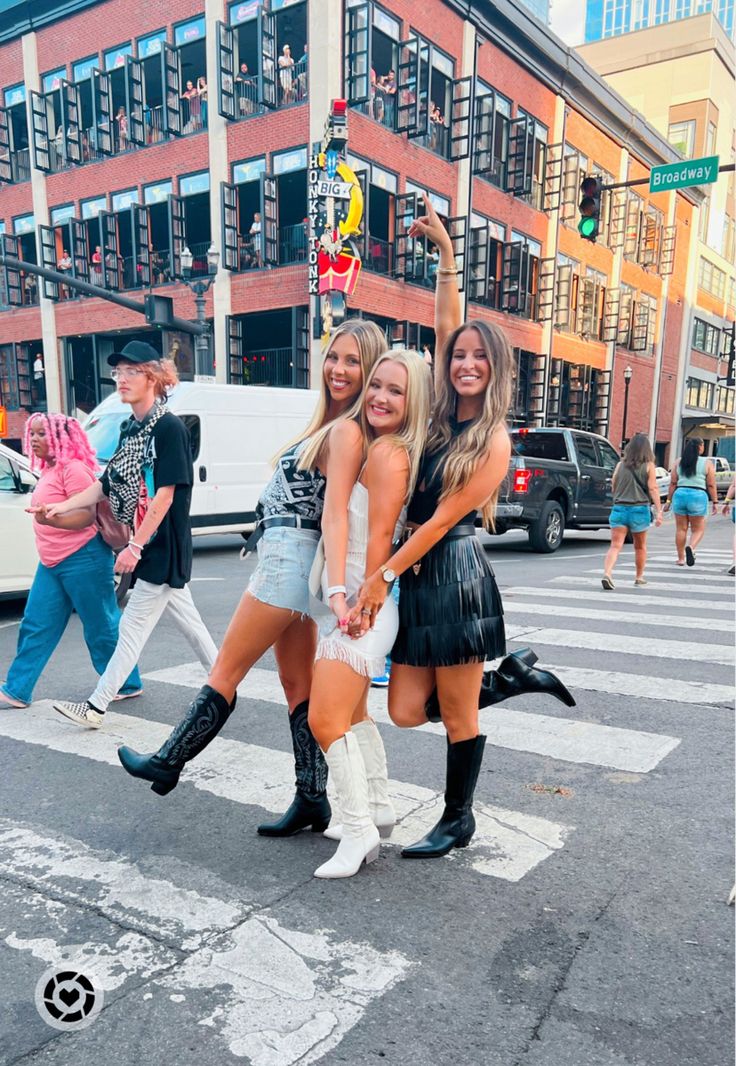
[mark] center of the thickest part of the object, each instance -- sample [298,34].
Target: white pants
[145,606]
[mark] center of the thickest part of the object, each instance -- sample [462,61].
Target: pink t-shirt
[58,483]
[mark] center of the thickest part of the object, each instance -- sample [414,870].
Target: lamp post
[203,360]
[628,375]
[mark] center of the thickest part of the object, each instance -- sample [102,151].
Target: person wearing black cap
[152,466]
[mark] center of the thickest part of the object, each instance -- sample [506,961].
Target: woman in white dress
[394,419]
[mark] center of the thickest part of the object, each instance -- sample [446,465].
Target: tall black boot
[457,824]
[515,676]
[310,807]
[201,724]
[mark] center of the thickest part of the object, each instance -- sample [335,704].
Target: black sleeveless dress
[450,613]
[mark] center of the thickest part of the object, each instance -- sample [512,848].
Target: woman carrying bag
[76,568]
[635,492]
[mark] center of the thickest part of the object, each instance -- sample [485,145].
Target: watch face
[388,575]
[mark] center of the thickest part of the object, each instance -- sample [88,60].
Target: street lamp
[203,361]
[628,375]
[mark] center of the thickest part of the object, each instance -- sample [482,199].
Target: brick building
[111,164]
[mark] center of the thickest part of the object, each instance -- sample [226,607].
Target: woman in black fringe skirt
[450,611]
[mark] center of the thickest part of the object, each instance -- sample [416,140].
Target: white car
[18,558]
[663,481]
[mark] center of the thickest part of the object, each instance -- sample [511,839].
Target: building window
[530,169]
[491,140]
[725,400]
[700,394]
[681,136]
[729,239]
[706,338]
[710,139]
[711,278]
[574,169]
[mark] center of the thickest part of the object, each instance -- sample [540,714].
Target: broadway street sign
[680,175]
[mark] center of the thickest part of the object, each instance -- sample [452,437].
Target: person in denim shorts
[692,481]
[307,494]
[634,492]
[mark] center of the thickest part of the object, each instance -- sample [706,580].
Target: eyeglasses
[126,372]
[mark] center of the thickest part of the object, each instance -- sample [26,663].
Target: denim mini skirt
[285,557]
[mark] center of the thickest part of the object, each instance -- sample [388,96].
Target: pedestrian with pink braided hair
[75,571]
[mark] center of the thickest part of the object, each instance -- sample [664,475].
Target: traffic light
[590,208]
[159,310]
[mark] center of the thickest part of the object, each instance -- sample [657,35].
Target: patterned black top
[426,496]
[292,491]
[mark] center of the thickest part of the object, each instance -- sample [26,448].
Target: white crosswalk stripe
[508,844]
[629,617]
[258,973]
[622,644]
[664,586]
[642,597]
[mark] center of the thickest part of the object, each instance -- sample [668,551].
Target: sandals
[640,581]
[689,556]
[607,583]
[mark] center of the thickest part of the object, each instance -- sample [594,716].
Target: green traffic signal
[588,227]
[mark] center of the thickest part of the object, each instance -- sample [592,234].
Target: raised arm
[484,482]
[386,479]
[341,468]
[447,315]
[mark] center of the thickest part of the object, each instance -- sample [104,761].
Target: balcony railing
[293,243]
[381,107]
[379,255]
[269,366]
[437,140]
[199,250]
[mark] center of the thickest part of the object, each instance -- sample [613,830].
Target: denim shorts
[285,557]
[692,502]
[635,517]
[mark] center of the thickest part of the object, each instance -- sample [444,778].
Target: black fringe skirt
[450,613]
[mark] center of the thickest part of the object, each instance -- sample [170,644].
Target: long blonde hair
[371,341]
[412,433]
[468,448]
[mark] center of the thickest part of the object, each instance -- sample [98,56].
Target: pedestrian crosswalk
[280,993]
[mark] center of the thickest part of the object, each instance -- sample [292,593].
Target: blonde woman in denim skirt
[313,477]
[635,492]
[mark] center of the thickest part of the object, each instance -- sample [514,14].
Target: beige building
[682,77]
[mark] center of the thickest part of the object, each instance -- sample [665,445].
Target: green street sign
[681,175]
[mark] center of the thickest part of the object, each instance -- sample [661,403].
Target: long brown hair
[467,449]
[638,451]
[371,341]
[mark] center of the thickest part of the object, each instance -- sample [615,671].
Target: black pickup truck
[558,479]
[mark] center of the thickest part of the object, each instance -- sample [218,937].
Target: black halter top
[426,496]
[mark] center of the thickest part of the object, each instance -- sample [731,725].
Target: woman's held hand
[126,562]
[371,599]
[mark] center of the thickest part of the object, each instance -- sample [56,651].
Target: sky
[567,20]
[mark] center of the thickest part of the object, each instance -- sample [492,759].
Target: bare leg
[458,688]
[697,531]
[618,536]
[640,553]
[681,524]
[253,629]
[360,714]
[336,693]
[295,650]
[409,689]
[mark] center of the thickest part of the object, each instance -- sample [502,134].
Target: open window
[491,134]
[288,214]
[520,277]
[159,68]
[379,214]
[591,296]
[25,248]
[372,38]
[15,159]
[11,289]
[122,204]
[194,190]
[156,201]
[527,159]
[189,38]
[242,217]
[269,348]
[413,87]
[485,257]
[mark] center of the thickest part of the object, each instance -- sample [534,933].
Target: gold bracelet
[447,270]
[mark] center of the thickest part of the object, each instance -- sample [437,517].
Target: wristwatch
[388,574]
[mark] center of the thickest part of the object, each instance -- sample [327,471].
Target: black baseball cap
[135,352]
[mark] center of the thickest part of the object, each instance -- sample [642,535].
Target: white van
[235,430]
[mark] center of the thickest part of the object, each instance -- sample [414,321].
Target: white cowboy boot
[379,801]
[360,839]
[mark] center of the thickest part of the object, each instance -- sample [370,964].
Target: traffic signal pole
[726,168]
[182,324]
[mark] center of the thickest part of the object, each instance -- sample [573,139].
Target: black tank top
[426,496]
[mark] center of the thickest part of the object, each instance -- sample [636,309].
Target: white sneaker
[83,714]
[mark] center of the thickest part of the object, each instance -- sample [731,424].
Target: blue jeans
[82,582]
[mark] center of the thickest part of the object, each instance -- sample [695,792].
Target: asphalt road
[587,924]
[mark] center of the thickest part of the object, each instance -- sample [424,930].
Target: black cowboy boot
[457,824]
[515,676]
[310,808]
[201,724]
